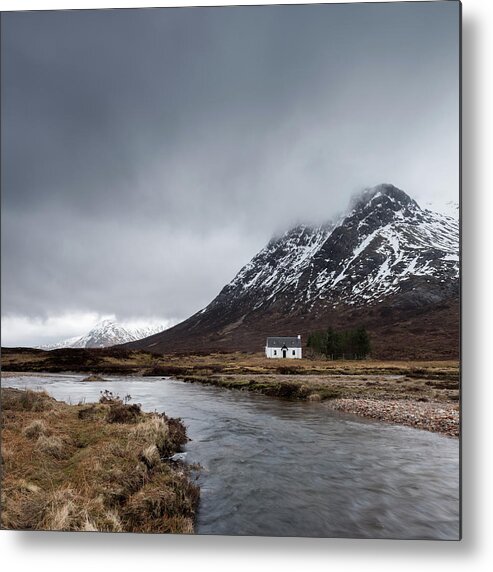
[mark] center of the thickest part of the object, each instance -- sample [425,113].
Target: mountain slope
[387,261]
[105,334]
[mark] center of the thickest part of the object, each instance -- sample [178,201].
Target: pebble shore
[432,416]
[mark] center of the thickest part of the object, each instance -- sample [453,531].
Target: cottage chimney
[299,336]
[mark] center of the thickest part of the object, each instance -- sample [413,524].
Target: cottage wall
[277,353]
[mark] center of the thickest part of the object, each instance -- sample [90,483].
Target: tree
[362,341]
[353,344]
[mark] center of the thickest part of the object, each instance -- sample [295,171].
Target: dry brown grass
[331,386]
[35,429]
[65,467]
[311,378]
[150,456]
[143,363]
[27,401]
[153,430]
[52,446]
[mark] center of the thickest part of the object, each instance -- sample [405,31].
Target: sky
[148,154]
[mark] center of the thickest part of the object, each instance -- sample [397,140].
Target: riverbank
[436,417]
[421,394]
[98,467]
[116,361]
[255,451]
[423,403]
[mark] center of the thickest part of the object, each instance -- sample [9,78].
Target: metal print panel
[230,270]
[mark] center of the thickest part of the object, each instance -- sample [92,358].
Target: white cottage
[283,347]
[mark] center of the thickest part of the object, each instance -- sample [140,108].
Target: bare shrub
[119,409]
[108,396]
[121,413]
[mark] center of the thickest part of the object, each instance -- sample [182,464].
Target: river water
[281,468]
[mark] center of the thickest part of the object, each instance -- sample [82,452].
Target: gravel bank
[437,417]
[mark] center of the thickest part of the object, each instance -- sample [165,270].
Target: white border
[83,552]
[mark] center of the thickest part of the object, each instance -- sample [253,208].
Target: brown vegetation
[331,386]
[118,361]
[414,401]
[314,379]
[92,467]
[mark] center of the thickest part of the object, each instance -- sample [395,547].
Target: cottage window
[294,352]
[275,352]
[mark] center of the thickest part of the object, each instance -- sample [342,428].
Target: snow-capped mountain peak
[384,194]
[384,261]
[384,240]
[105,334]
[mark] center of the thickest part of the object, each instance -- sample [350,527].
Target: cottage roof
[280,341]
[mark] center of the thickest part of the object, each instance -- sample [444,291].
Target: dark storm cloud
[147,154]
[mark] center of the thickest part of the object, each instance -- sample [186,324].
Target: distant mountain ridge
[105,334]
[387,263]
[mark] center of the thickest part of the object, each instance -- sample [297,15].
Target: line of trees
[344,344]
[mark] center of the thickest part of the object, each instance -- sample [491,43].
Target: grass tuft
[51,446]
[35,429]
[28,400]
[150,456]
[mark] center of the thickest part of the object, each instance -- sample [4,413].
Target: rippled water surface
[281,468]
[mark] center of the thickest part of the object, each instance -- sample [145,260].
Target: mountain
[387,264]
[449,208]
[105,334]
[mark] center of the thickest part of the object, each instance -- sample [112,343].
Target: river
[282,468]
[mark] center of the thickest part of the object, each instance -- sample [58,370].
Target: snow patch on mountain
[385,244]
[105,334]
[447,208]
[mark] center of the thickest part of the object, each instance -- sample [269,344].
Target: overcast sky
[148,154]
